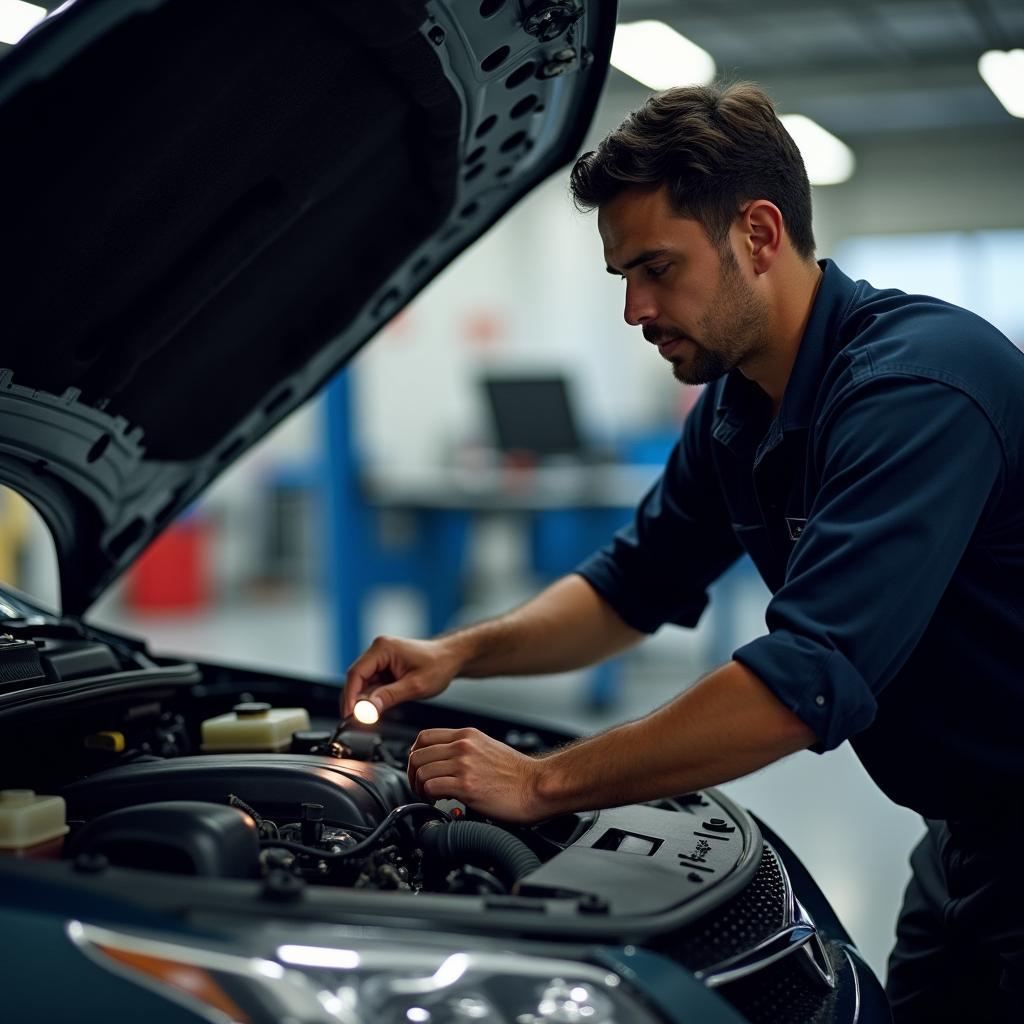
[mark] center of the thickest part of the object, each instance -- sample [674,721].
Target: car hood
[211,206]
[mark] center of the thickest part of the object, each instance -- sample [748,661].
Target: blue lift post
[356,560]
[344,520]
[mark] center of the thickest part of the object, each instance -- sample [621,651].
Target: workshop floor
[853,840]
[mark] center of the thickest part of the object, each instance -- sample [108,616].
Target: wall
[927,182]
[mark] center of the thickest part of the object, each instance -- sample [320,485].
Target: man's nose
[639,309]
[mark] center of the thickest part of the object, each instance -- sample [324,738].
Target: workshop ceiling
[856,67]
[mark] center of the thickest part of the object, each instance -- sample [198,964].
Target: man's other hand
[392,670]
[468,765]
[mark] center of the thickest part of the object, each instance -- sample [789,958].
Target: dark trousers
[959,953]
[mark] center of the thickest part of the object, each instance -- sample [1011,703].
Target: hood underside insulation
[207,194]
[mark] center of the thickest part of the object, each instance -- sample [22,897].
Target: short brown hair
[715,147]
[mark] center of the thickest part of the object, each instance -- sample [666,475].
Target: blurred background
[504,424]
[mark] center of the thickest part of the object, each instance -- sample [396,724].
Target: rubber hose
[479,844]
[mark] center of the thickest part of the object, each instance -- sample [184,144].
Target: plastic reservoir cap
[366,712]
[27,819]
[252,709]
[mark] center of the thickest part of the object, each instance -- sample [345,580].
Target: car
[209,208]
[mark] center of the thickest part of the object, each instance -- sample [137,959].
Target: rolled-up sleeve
[657,568]
[908,466]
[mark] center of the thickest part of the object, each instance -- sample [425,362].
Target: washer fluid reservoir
[253,727]
[31,825]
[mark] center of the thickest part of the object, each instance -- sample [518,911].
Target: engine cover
[352,792]
[186,837]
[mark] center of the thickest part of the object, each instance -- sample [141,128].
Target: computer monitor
[533,414]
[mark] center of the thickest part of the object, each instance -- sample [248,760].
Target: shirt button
[819,700]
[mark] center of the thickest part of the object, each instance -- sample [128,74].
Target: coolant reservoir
[253,727]
[31,825]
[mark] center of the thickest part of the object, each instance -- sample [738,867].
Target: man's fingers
[419,757]
[434,752]
[443,788]
[428,737]
[444,768]
[372,667]
[361,671]
[408,687]
[391,671]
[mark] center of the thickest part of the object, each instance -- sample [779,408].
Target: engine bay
[162,766]
[223,796]
[337,809]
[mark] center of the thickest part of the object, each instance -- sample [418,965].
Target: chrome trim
[790,911]
[797,933]
[856,986]
[819,965]
[750,961]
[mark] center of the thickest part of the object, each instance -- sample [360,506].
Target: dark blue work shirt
[884,508]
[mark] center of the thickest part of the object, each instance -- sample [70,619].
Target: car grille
[784,993]
[787,991]
[743,922]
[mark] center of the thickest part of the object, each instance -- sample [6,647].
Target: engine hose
[363,845]
[479,844]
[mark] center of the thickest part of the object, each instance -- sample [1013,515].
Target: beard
[733,329]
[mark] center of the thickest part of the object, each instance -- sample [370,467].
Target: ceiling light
[16,18]
[659,57]
[828,160]
[1003,71]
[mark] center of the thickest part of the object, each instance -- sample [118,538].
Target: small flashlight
[365,712]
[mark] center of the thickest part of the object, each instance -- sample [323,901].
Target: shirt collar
[741,402]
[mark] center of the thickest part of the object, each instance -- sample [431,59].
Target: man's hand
[392,670]
[727,725]
[467,765]
[566,626]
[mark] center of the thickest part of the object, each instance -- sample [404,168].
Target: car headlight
[399,986]
[379,983]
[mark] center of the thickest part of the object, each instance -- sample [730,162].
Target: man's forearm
[727,725]
[567,626]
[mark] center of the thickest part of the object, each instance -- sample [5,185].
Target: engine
[330,819]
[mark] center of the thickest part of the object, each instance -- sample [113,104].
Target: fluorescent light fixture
[16,18]
[1003,71]
[828,160]
[659,57]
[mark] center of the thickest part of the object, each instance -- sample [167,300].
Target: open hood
[209,207]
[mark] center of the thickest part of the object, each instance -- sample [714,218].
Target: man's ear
[762,226]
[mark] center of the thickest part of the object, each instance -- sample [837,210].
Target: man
[866,448]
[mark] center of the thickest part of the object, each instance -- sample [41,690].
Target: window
[979,270]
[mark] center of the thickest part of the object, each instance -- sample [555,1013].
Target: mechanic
[866,449]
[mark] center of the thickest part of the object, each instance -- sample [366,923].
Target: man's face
[688,297]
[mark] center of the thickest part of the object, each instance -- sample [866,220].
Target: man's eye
[656,271]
